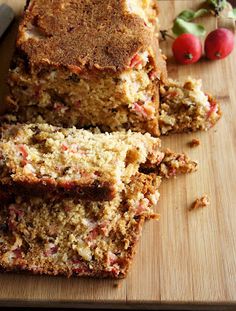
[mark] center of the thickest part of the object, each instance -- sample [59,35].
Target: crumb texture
[186,108]
[202,202]
[63,98]
[195,142]
[171,164]
[82,238]
[66,235]
[71,161]
[80,166]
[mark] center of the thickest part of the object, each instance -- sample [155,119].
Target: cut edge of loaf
[90,166]
[185,107]
[47,247]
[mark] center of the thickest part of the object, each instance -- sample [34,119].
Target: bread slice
[81,238]
[186,108]
[92,63]
[40,158]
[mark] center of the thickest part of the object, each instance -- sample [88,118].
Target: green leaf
[181,26]
[216,5]
[189,15]
[232,14]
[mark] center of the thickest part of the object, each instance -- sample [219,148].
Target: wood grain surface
[188,259]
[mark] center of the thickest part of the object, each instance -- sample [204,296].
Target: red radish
[219,43]
[187,49]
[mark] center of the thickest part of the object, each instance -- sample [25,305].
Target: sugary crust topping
[85,34]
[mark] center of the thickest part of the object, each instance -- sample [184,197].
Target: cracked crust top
[88,34]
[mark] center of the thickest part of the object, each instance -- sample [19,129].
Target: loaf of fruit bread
[186,108]
[43,158]
[88,63]
[81,238]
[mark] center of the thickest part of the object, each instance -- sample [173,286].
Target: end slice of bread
[81,238]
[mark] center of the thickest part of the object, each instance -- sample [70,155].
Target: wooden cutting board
[188,258]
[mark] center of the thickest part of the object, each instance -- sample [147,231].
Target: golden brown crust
[75,67]
[159,61]
[79,35]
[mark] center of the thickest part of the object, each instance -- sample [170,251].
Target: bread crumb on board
[200,202]
[117,285]
[195,142]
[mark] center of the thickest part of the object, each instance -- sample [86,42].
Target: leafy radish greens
[184,21]
[181,26]
[232,14]
[189,15]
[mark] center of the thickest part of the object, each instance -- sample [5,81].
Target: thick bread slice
[76,238]
[39,158]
